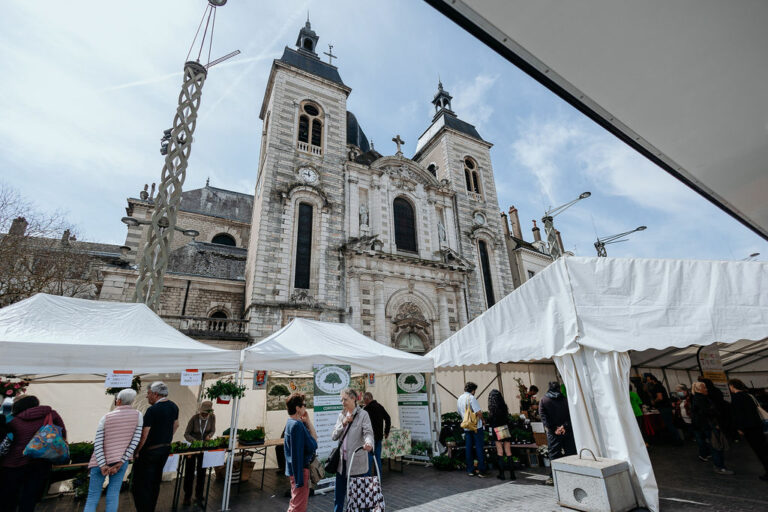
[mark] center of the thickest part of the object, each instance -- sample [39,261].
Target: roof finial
[308,25]
[439,82]
[207,181]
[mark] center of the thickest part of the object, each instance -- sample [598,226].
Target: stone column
[450,229]
[442,312]
[354,301]
[461,306]
[354,207]
[380,319]
[375,213]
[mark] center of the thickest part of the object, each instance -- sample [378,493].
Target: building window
[405,225]
[432,168]
[216,322]
[410,342]
[224,239]
[485,263]
[303,246]
[472,176]
[310,133]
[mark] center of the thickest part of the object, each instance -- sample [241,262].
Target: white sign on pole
[191,377]
[413,405]
[712,368]
[118,379]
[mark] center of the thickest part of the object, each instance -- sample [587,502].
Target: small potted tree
[224,390]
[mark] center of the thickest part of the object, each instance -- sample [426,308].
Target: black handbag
[332,464]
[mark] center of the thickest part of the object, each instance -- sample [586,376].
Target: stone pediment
[406,173]
[364,243]
[451,257]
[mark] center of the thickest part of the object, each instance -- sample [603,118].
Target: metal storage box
[593,484]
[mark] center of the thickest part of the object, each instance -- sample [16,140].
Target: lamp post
[751,257]
[149,298]
[613,239]
[549,229]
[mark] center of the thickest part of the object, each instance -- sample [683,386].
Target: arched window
[308,44]
[310,133]
[303,247]
[485,264]
[405,225]
[432,168]
[224,239]
[472,176]
[215,323]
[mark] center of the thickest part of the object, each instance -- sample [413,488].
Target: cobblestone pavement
[686,484]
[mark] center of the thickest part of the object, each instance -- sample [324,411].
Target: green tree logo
[332,378]
[411,379]
[279,390]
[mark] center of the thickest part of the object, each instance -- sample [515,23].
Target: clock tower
[294,265]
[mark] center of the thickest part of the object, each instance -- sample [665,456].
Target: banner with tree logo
[329,380]
[413,405]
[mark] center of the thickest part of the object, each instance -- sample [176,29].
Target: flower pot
[223,399]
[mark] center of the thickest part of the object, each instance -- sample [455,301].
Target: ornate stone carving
[363,217]
[451,257]
[302,298]
[364,243]
[410,312]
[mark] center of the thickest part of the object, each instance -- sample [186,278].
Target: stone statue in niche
[363,216]
[441,232]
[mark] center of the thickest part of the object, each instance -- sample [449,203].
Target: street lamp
[549,229]
[751,257]
[613,239]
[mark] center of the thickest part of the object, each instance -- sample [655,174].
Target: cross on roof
[397,140]
[330,54]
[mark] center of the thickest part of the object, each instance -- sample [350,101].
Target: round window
[311,109]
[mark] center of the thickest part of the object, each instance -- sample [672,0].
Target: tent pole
[232,439]
[592,404]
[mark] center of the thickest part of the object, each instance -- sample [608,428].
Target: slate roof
[461,126]
[311,64]
[355,134]
[368,157]
[218,202]
[209,260]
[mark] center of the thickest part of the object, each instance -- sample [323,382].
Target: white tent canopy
[51,334]
[303,343]
[587,313]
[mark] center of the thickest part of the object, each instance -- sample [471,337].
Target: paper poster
[328,381]
[172,464]
[214,458]
[118,379]
[712,368]
[413,405]
[191,377]
[371,380]
[260,379]
[279,388]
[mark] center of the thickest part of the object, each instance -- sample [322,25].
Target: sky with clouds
[88,88]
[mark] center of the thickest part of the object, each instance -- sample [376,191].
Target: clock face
[307,175]
[479,218]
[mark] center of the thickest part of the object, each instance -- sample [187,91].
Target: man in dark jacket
[381,423]
[554,413]
[24,478]
[748,422]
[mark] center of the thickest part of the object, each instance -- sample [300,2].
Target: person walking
[201,427]
[706,427]
[160,423]
[660,400]
[474,440]
[381,423]
[683,410]
[556,418]
[748,422]
[498,416]
[300,444]
[24,478]
[117,436]
[354,425]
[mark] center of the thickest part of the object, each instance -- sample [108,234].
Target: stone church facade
[406,250]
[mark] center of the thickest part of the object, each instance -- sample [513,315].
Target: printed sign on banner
[260,379]
[329,380]
[413,405]
[191,377]
[118,379]
[712,369]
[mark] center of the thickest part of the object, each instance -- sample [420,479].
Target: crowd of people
[704,416]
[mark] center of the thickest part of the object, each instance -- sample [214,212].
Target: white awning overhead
[613,304]
[303,343]
[51,334]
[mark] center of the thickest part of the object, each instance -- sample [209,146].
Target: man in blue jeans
[474,440]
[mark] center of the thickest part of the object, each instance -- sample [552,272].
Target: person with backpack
[24,478]
[474,437]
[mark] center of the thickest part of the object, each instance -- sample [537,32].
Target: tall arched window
[472,176]
[405,225]
[224,239]
[303,246]
[310,133]
[485,264]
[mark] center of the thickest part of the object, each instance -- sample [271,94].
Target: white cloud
[471,100]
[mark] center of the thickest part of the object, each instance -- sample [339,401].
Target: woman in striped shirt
[118,434]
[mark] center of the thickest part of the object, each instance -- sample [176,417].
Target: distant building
[526,259]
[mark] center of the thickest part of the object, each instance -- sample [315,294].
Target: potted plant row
[196,446]
[224,390]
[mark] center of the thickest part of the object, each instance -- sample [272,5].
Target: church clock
[308,175]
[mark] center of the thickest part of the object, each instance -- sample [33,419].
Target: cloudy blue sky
[88,87]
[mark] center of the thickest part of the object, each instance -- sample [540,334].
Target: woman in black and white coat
[359,434]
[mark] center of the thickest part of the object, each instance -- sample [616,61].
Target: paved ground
[686,484]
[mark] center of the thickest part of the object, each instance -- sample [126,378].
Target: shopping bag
[469,422]
[364,492]
[316,470]
[48,443]
[502,432]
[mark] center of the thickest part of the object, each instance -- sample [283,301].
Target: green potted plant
[224,390]
[252,436]
[80,452]
[442,463]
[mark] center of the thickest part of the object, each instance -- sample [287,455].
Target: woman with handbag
[300,444]
[353,430]
[706,428]
[499,421]
[24,478]
[747,420]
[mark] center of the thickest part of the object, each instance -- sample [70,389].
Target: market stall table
[181,468]
[258,450]
[396,446]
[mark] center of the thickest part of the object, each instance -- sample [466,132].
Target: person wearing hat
[201,427]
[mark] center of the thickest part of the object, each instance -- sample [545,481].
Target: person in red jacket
[24,478]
